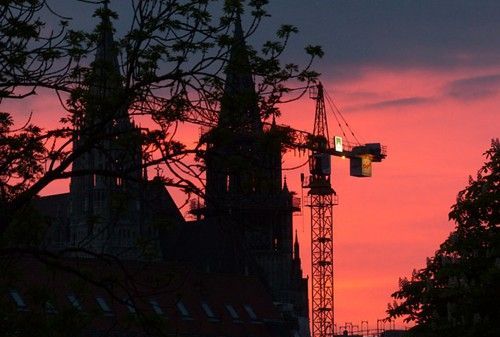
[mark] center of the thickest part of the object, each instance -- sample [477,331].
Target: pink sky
[421,77]
[388,224]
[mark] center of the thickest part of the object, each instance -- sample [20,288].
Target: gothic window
[98,200]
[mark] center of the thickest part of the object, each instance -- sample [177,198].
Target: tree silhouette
[171,63]
[457,293]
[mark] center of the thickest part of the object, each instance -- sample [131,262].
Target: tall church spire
[106,77]
[111,200]
[105,48]
[239,108]
[296,252]
[285,188]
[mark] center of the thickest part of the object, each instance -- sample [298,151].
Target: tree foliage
[171,62]
[171,59]
[457,293]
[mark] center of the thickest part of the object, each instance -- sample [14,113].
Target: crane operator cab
[320,165]
[320,168]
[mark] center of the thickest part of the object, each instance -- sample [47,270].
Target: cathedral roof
[159,200]
[54,206]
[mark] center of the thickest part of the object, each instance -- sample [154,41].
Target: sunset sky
[423,78]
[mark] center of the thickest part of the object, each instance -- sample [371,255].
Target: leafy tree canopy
[171,63]
[458,292]
[168,67]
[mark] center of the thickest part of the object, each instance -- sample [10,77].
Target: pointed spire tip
[285,185]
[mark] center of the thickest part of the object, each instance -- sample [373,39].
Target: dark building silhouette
[106,210]
[114,207]
[245,196]
[244,227]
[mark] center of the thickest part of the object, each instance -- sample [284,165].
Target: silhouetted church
[244,227]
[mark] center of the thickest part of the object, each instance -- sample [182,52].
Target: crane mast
[322,198]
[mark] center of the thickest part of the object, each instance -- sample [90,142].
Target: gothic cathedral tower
[105,198]
[245,194]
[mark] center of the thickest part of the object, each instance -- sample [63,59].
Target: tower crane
[322,198]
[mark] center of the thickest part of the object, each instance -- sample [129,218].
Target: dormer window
[104,306]
[156,307]
[250,312]
[208,311]
[49,308]
[74,302]
[183,310]
[232,312]
[21,305]
[130,306]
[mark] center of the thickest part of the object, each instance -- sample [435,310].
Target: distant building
[244,228]
[108,212]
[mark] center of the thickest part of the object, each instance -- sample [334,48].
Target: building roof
[180,300]
[54,206]
[157,199]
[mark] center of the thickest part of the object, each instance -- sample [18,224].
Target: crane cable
[337,119]
[334,108]
[336,111]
